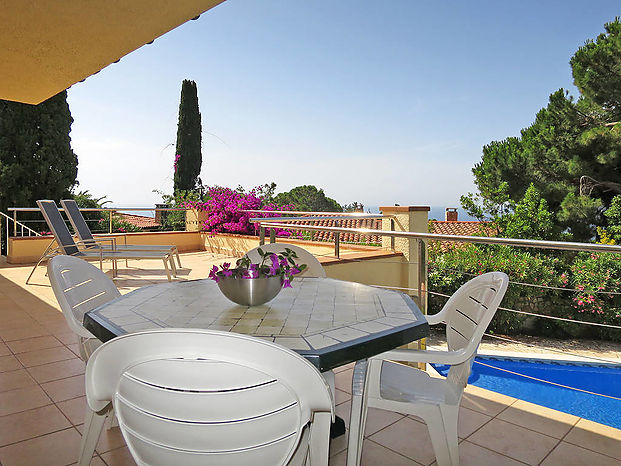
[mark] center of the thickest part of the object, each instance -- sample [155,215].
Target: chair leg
[178,258]
[450,415]
[358,414]
[173,267]
[167,269]
[93,424]
[439,440]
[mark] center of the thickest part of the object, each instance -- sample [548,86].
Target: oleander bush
[584,287]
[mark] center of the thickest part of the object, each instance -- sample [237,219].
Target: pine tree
[188,159]
[36,159]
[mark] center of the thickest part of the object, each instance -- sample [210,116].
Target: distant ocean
[436,213]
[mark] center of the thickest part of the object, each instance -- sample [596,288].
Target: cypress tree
[188,159]
[36,159]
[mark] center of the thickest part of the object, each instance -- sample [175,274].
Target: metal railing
[422,238]
[18,228]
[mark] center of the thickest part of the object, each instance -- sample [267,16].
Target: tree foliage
[36,159]
[308,198]
[597,69]
[188,159]
[571,153]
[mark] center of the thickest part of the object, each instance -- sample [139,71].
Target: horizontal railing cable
[551,350]
[537,379]
[541,315]
[548,287]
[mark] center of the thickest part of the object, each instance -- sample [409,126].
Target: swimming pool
[491,373]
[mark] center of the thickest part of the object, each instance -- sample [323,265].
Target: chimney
[158,213]
[451,214]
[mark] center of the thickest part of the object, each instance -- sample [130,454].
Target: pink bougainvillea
[225,210]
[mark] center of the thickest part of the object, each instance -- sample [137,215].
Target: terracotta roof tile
[460,228]
[373,224]
[140,221]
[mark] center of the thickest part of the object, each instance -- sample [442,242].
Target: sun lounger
[67,246]
[86,236]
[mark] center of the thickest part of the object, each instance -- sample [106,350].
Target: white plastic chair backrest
[72,210]
[190,396]
[313,269]
[55,222]
[79,288]
[468,313]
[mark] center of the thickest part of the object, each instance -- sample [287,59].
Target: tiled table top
[330,322]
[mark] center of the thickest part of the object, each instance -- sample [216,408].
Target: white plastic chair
[381,383]
[79,288]
[313,269]
[190,396]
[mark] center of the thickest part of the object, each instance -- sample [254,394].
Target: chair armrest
[435,319]
[427,356]
[112,242]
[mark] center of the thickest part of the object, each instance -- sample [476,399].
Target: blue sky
[375,102]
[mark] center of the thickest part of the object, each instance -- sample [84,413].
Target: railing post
[337,244]
[262,236]
[15,223]
[272,235]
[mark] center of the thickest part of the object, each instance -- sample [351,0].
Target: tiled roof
[460,228]
[373,224]
[140,221]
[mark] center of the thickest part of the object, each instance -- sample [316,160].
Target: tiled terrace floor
[42,398]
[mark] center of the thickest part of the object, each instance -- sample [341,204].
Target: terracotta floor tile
[22,399]
[469,421]
[57,370]
[407,437]
[17,321]
[20,333]
[60,329]
[511,440]
[539,418]
[56,449]
[596,437]
[341,397]
[4,350]
[68,338]
[32,423]
[339,444]
[44,356]
[374,454]
[482,404]
[377,419]
[110,439]
[475,455]
[343,380]
[566,454]
[15,379]
[65,389]
[74,409]
[32,344]
[118,457]
[9,363]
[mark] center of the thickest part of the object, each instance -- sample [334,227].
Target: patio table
[329,322]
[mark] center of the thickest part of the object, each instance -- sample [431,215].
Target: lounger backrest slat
[57,225]
[77,221]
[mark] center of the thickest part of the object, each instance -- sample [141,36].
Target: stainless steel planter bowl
[250,291]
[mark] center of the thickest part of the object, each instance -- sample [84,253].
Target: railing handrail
[343,214]
[103,209]
[526,243]
[309,219]
[20,224]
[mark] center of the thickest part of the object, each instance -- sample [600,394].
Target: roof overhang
[46,46]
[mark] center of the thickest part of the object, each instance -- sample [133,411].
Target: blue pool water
[605,380]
